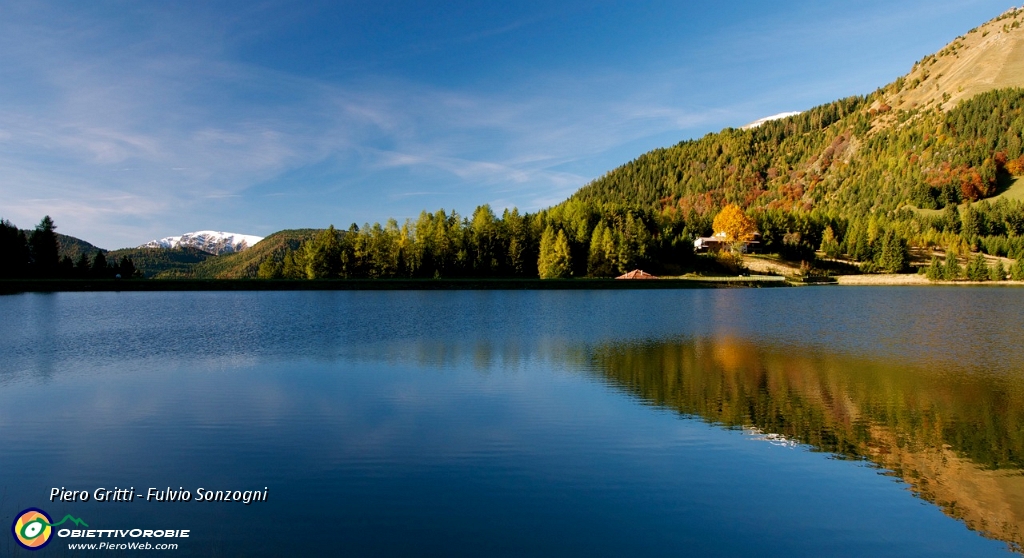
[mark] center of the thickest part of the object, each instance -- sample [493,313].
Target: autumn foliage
[967,180]
[1016,166]
[734,224]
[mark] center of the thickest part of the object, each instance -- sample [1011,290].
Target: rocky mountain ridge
[214,242]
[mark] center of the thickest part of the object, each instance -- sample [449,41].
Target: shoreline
[15,286]
[913,279]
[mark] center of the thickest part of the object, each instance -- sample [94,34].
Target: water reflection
[956,439]
[955,435]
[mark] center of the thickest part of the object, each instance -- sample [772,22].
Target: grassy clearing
[926,212]
[1015,191]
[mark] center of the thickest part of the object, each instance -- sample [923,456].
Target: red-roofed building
[637,274]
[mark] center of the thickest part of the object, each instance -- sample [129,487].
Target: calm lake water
[814,421]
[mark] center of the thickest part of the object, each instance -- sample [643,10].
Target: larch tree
[323,254]
[829,244]
[555,260]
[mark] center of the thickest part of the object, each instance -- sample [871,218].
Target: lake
[725,422]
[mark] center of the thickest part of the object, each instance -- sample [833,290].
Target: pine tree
[951,270]
[126,269]
[83,266]
[971,224]
[934,272]
[893,257]
[632,244]
[45,251]
[99,265]
[951,218]
[977,270]
[997,272]
[1017,270]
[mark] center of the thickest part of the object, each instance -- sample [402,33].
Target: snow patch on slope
[215,242]
[760,121]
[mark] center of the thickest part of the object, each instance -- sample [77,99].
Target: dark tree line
[574,239]
[36,255]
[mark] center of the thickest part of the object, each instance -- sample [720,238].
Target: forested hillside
[845,165]
[73,248]
[845,178]
[154,262]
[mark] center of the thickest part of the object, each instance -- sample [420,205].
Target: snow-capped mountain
[215,242]
[760,121]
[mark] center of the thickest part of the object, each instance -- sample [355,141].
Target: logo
[33,528]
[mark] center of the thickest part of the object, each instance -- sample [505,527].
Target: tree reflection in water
[956,438]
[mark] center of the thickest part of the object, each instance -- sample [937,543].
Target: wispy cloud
[404,195]
[133,126]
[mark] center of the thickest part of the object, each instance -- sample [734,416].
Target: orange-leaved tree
[734,224]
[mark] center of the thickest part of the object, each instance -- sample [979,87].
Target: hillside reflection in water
[955,437]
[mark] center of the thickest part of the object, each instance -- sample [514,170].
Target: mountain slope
[855,156]
[988,57]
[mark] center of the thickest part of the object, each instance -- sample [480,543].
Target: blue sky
[128,121]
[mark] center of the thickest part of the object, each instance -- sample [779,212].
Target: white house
[718,242]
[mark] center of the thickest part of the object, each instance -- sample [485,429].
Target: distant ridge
[74,248]
[214,242]
[71,247]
